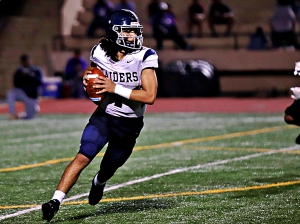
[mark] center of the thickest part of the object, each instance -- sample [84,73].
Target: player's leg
[179,39]
[14,95]
[11,100]
[229,21]
[31,107]
[121,143]
[211,23]
[159,38]
[115,156]
[289,119]
[72,172]
[190,28]
[200,27]
[292,116]
[68,179]
[292,113]
[94,137]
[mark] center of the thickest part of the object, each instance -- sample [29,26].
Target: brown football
[96,98]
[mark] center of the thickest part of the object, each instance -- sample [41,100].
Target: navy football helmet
[124,20]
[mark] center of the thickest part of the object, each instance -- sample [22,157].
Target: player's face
[130,34]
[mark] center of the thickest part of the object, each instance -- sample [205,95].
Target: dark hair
[77,51]
[24,58]
[112,48]
[285,2]
[259,30]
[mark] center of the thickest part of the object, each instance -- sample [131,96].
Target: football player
[292,112]
[130,84]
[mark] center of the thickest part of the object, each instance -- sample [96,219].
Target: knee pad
[92,141]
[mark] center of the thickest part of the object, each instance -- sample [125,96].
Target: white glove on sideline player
[297,68]
[296,93]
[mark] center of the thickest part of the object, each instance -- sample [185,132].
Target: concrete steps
[29,33]
[243,71]
[71,43]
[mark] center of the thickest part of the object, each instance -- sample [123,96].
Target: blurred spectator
[153,9]
[74,70]
[258,40]
[286,2]
[27,81]
[125,4]
[196,18]
[283,26]
[101,10]
[164,27]
[220,14]
[296,9]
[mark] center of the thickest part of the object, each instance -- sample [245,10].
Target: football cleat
[96,193]
[49,209]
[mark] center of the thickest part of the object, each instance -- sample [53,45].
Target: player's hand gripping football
[85,78]
[297,68]
[295,93]
[104,85]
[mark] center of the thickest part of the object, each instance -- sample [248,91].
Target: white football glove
[297,68]
[296,93]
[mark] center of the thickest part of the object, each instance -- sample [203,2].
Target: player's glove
[296,93]
[297,68]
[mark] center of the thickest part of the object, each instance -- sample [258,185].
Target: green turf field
[186,168]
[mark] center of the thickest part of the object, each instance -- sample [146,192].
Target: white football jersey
[126,72]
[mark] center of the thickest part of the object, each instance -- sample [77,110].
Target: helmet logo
[134,23]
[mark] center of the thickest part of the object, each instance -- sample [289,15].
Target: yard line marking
[241,149]
[189,193]
[48,162]
[162,145]
[214,191]
[171,172]
[43,137]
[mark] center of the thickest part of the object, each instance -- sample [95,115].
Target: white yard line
[171,172]
[44,137]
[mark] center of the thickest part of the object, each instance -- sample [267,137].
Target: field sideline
[215,104]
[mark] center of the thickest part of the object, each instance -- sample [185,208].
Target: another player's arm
[145,95]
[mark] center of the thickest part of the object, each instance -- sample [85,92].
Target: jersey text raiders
[126,72]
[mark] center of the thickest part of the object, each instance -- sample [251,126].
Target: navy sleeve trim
[93,49]
[148,53]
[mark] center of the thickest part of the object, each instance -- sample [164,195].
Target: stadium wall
[25,34]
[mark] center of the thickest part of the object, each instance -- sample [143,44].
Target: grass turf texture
[226,187]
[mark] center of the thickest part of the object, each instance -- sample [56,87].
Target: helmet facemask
[122,38]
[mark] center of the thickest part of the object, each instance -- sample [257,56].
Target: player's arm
[145,95]
[149,88]
[296,90]
[295,93]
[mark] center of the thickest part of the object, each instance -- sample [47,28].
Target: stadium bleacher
[50,49]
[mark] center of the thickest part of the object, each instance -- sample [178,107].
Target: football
[96,98]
